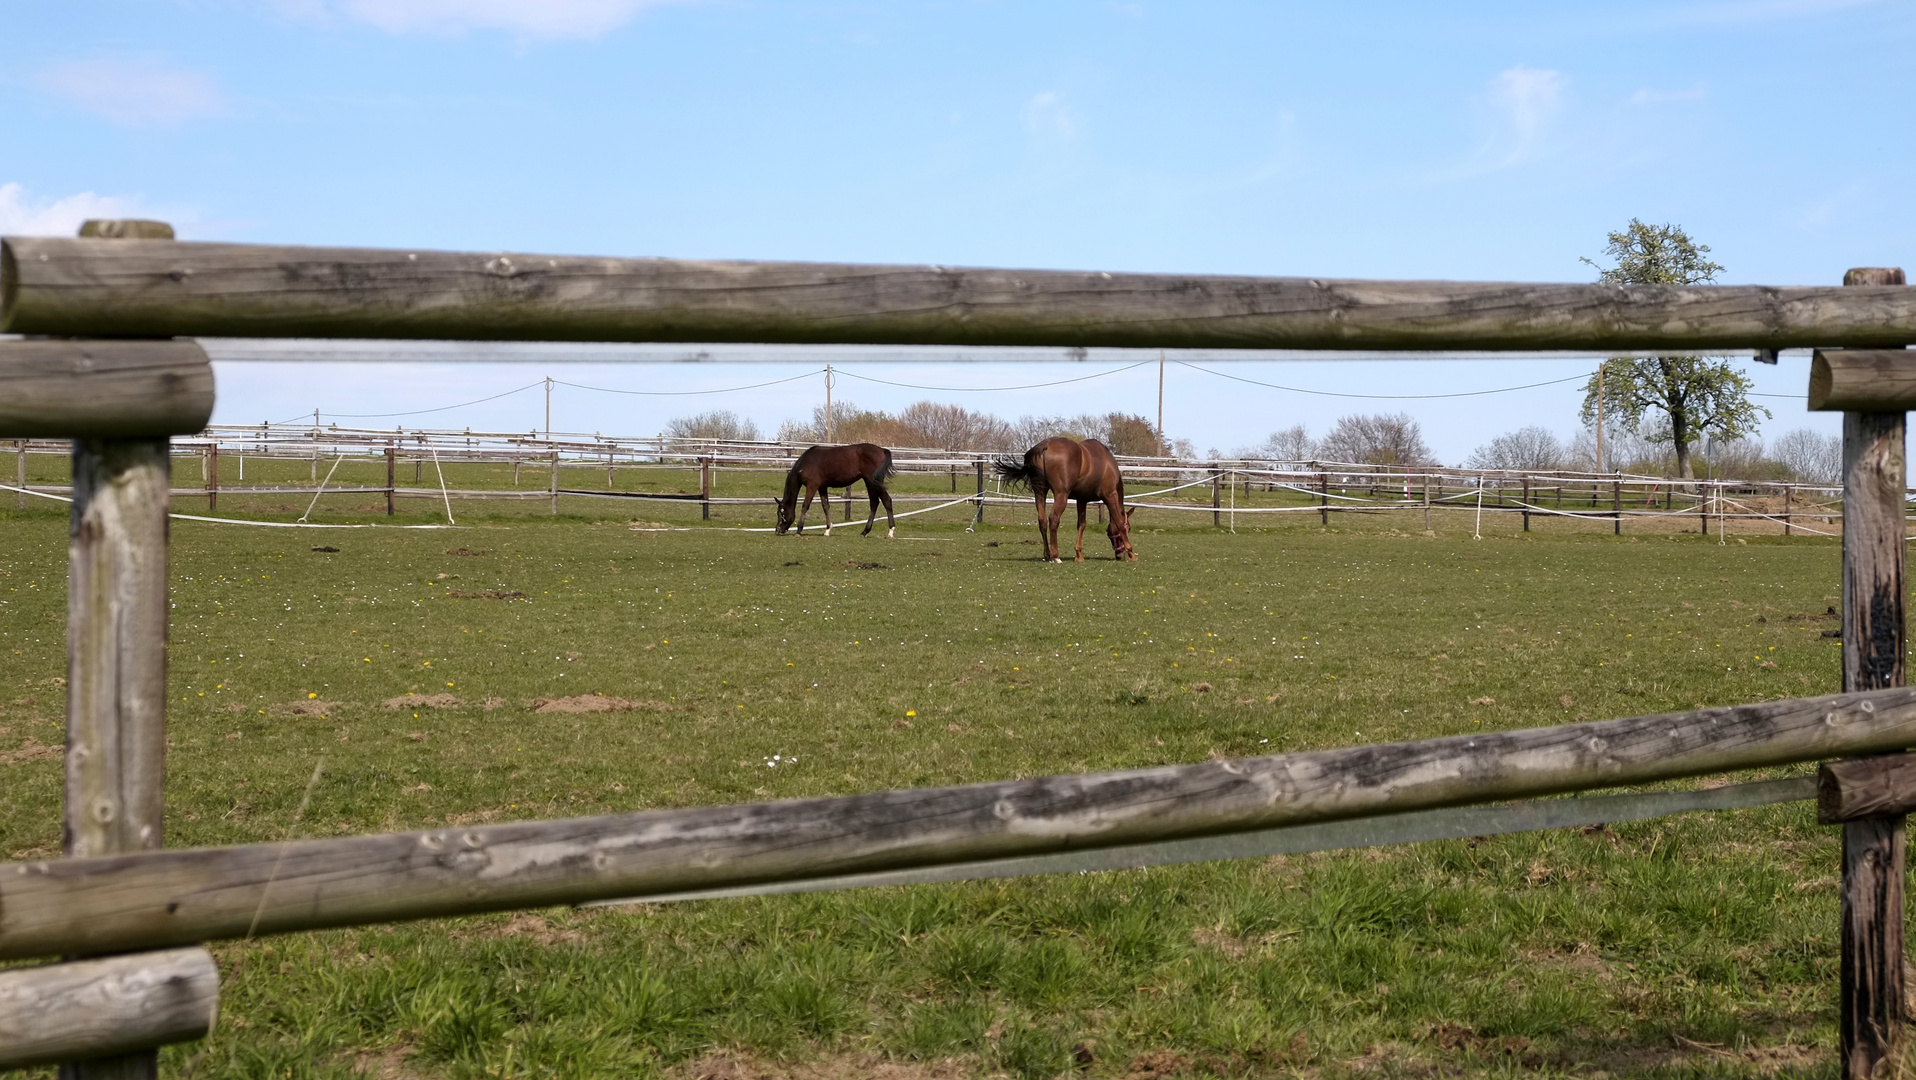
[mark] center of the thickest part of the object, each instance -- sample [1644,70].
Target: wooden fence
[118,892]
[712,474]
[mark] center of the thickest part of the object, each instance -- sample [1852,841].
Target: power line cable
[992,389]
[1382,397]
[442,408]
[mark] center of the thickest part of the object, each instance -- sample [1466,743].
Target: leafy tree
[1683,396]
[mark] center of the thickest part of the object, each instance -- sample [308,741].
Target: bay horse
[1064,469]
[824,467]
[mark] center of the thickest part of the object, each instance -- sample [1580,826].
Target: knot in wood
[473,840]
[105,810]
[1867,706]
[432,842]
[1003,810]
[501,267]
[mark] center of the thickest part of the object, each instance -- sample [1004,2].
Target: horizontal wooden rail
[114,903]
[164,288]
[102,1008]
[103,389]
[1863,380]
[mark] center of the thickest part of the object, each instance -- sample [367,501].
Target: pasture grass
[760,667]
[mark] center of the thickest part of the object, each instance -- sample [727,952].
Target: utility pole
[1600,368]
[1160,402]
[828,410]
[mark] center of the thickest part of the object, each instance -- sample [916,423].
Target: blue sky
[1391,140]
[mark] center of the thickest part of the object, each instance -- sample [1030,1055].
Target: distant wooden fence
[572,463]
[118,892]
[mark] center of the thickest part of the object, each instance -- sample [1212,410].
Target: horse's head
[1119,530]
[785,513]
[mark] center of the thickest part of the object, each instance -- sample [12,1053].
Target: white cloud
[22,215]
[134,92]
[1647,96]
[528,18]
[1529,99]
[1047,117]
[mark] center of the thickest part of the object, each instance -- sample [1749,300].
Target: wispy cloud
[134,92]
[1648,96]
[527,18]
[23,215]
[1047,116]
[1529,99]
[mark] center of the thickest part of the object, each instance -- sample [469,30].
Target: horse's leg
[891,522]
[1120,528]
[1080,555]
[806,509]
[1057,518]
[1044,544]
[871,515]
[825,501]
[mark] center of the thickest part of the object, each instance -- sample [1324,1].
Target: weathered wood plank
[1870,1020]
[1865,787]
[164,288]
[103,389]
[1447,824]
[93,1008]
[116,646]
[1863,380]
[171,897]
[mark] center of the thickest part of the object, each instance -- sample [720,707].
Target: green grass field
[756,667]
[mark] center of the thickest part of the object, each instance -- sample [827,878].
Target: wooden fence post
[705,490]
[1217,478]
[20,478]
[1616,507]
[1426,502]
[1787,490]
[1323,497]
[1526,504]
[392,460]
[116,666]
[116,654]
[212,477]
[1874,479]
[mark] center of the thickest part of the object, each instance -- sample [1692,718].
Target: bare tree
[1526,448]
[1376,439]
[1810,455]
[719,425]
[1293,443]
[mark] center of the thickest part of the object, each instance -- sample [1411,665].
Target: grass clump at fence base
[422,667]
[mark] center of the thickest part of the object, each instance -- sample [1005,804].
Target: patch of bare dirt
[734,1065]
[31,749]
[465,551]
[491,594]
[524,924]
[312,707]
[422,701]
[857,565]
[392,1063]
[591,703]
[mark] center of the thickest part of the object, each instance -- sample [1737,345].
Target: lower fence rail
[148,900]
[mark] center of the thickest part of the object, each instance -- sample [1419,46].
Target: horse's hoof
[891,534]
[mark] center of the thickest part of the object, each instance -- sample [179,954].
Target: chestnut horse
[1065,469]
[824,467]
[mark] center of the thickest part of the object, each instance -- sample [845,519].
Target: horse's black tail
[1017,472]
[883,472]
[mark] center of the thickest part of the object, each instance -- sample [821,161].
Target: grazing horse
[1065,469]
[823,467]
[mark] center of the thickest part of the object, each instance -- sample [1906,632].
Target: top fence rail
[163,288]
